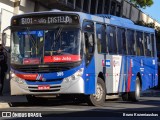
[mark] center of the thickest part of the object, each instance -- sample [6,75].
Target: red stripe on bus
[27,76]
[129,77]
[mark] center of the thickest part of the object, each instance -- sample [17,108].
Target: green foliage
[141,3]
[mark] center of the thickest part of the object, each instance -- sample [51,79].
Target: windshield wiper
[57,36]
[32,39]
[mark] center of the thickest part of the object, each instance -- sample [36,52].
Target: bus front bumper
[66,87]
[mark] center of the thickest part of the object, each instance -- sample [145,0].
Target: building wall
[134,14]
[156,23]
[6,12]
[126,9]
[143,17]
[26,6]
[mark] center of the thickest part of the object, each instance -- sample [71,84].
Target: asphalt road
[112,108]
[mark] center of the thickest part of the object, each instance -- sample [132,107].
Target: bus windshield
[60,44]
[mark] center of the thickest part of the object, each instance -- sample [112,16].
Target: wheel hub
[99,93]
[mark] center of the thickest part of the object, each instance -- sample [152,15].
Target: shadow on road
[113,109]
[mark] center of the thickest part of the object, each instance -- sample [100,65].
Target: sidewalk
[6,99]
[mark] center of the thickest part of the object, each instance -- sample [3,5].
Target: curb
[4,105]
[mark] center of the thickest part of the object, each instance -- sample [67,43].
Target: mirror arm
[3,34]
[9,27]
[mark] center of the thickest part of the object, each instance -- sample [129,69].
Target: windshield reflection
[46,46]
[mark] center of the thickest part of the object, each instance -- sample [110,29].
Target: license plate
[43,87]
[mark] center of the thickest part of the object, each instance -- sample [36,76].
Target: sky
[154,10]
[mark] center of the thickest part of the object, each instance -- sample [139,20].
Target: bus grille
[42,70]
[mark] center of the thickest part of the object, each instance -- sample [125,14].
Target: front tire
[98,99]
[125,96]
[135,96]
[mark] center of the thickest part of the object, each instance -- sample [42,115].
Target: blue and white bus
[74,53]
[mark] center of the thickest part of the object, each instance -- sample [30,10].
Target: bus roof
[126,23]
[102,18]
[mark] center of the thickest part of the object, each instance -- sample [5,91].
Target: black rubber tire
[92,101]
[135,96]
[125,97]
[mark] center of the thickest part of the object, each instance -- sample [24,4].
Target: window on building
[85,5]
[131,44]
[153,45]
[78,3]
[118,10]
[112,44]
[101,38]
[147,44]
[139,41]
[71,1]
[106,6]
[113,8]
[93,6]
[100,6]
[121,39]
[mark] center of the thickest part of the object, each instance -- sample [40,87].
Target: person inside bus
[3,67]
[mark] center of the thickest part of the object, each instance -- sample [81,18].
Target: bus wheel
[125,96]
[135,96]
[98,99]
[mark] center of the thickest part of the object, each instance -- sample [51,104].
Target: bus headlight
[77,74]
[16,79]
[12,75]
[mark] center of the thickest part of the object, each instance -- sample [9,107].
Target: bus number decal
[60,73]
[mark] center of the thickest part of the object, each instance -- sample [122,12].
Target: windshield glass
[45,46]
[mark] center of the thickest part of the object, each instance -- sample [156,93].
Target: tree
[141,3]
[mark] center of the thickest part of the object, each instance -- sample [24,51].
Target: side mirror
[4,39]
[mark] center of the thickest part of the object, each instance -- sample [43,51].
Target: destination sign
[46,20]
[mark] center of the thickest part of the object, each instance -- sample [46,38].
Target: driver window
[88,28]
[89,43]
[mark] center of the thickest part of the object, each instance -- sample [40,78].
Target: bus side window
[88,29]
[121,39]
[147,44]
[139,41]
[131,42]
[152,42]
[89,42]
[89,45]
[101,38]
[112,44]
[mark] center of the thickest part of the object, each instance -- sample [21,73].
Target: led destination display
[46,20]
